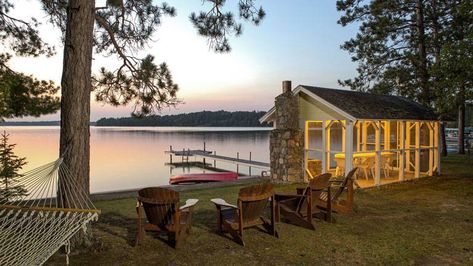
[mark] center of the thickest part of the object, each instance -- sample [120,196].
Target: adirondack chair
[300,208]
[163,214]
[336,203]
[251,204]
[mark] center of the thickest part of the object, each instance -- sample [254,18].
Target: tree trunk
[436,30]
[444,139]
[435,85]
[461,121]
[75,93]
[422,65]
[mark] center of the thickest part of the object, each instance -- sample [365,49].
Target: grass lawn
[427,221]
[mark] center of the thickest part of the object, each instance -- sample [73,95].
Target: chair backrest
[253,200]
[347,181]
[160,204]
[315,187]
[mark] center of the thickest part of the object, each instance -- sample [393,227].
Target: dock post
[188,152]
[182,156]
[249,168]
[204,155]
[170,154]
[215,161]
[238,157]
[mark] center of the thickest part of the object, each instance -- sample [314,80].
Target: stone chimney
[286,86]
[286,140]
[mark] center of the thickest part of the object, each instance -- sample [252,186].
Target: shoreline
[132,193]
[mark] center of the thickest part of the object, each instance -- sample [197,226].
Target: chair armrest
[284,196]
[296,197]
[189,203]
[223,203]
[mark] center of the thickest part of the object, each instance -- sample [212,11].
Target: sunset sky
[299,42]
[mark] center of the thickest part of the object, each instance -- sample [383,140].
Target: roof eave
[267,117]
[324,102]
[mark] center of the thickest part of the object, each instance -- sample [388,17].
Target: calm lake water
[133,157]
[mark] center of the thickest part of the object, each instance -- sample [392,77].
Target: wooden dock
[205,155]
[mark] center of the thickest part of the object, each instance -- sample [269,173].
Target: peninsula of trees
[198,119]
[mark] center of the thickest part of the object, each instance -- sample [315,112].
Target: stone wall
[287,140]
[287,111]
[286,155]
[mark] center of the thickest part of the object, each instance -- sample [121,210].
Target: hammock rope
[35,225]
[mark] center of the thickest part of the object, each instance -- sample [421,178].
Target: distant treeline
[198,119]
[30,123]
[34,123]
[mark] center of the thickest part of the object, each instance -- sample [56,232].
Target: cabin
[389,138]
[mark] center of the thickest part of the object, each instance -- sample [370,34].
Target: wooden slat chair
[338,204]
[364,164]
[300,208]
[251,204]
[163,214]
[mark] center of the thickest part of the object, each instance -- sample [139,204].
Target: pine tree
[10,165]
[20,94]
[122,28]
[390,48]
[455,68]
[418,49]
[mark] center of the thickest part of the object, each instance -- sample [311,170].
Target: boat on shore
[203,178]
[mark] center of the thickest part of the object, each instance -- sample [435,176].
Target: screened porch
[384,151]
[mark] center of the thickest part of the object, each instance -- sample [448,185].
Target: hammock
[34,226]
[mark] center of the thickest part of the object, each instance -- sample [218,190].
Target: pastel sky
[298,40]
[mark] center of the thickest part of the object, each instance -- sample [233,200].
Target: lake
[134,157]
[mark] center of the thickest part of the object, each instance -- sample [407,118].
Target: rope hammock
[34,226]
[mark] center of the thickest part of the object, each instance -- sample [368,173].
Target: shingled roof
[362,105]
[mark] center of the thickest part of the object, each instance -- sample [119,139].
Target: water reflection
[125,158]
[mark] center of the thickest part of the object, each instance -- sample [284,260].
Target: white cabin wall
[309,109]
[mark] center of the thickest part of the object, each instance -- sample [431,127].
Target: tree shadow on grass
[203,219]
[207,220]
[125,227]
[110,220]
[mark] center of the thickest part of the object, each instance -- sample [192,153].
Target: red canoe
[205,177]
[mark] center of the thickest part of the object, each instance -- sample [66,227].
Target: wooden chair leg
[189,221]
[219,220]
[139,236]
[140,233]
[172,239]
[273,217]
[180,236]
[269,226]
[237,236]
[329,206]
[277,211]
